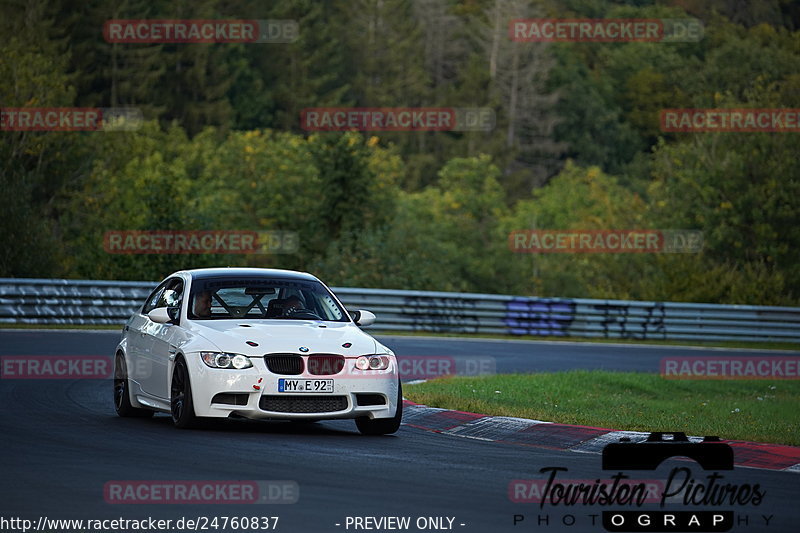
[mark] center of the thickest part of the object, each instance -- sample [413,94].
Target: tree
[34,166]
[279,80]
[112,74]
[741,190]
[445,237]
[580,199]
[519,72]
[353,197]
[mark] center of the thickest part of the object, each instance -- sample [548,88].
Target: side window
[172,294]
[153,299]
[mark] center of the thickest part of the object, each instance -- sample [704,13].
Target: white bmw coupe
[255,343]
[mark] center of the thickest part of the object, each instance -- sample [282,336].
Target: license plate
[305,385]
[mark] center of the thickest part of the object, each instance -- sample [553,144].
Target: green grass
[754,410]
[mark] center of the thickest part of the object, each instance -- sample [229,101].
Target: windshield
[263,298]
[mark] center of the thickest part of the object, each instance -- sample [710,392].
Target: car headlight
[235,361]
[372,362]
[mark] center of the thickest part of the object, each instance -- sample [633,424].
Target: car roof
[241,272]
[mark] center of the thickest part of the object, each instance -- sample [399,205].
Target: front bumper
[253,392]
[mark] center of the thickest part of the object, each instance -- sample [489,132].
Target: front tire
[181,404]
[122,395]
[383,426]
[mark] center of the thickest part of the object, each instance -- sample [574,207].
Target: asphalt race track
[62,443]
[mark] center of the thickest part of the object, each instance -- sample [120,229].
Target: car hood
[284,336]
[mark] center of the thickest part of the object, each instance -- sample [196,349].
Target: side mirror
[164,315]
[363,318]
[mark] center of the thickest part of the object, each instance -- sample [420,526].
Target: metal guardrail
[58,301]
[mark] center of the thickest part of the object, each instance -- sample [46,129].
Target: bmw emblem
[303,349]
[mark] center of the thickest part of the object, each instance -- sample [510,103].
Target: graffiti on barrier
[441,314]
[619,323]
[539,316]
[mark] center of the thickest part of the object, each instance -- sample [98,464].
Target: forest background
[577,145]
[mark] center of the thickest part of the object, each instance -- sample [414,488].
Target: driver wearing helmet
[202,304]
[292,305]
